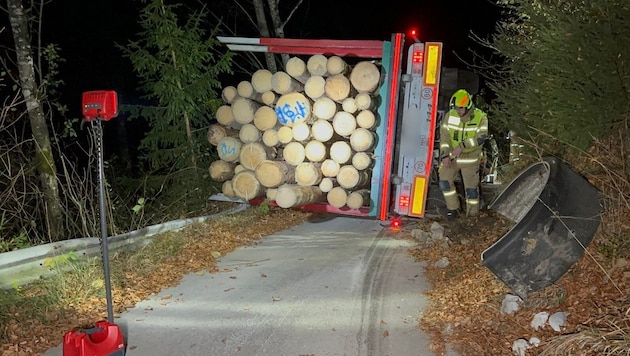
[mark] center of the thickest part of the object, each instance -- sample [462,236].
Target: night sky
[87,30]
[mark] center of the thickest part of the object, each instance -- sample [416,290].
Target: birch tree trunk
[44,155]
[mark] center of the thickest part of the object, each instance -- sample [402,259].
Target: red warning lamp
[413,33]
[99,104]
[396,223]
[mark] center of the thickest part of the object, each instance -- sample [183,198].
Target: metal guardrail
[27,265]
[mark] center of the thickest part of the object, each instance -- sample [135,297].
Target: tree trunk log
[272,174]
[366,119]
[315,87]
[365,101]
[362,161]
[221,170]
[224,115]
[261,80]
[253,153]
[229,93]
[244,109]
[282,83]
[308,173]
[325,108]
[293,108]
[301,132]
[294,153]
[296,68]
[341,152]
[315,151]
[271,194]
[338,88]
[337,197]
[246,90]
[285,135]
[216,132]
[336,65]
[365,77]
[322,130]
[330,168]
[362,140]
[351,178]
[358,199]
[270,138]
[265,118]
[316,65]
[269,98]
[229,149]
[344,123]
[327,184]
[349,105]
[289,196]
[246,186]
[249,133]
[227,190]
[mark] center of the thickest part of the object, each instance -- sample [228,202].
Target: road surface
[336,286]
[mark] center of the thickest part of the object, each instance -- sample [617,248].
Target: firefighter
[463,132]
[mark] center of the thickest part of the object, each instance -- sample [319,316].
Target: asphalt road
[337,286]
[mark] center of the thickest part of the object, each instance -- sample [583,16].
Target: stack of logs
[301,136]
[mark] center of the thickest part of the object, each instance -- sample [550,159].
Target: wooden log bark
[296,68]
[246,186]
[325,108]
[253,153]
[261,80]
[285,135]
[358,199]
[224,115]
[244,109]
[294,153]
[216,132]
[229,149]
[327,184]
[316,65]
[272,174]
[270,138]
[337,197]
[265,118]
[362,161]
[221,170]
[289,196]
[362,140]
[338,88]
[365,77]
[341,152]
[322,130]
[351,178]
[366,119]
[283,83]
[308,173]
[344,123]
[336,65]
[315,87]
[229,93]
[249,133]
[315,151]
[330,168]
[293,108]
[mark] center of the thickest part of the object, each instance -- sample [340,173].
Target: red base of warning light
[104,339]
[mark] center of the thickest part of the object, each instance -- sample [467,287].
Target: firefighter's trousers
[468,164]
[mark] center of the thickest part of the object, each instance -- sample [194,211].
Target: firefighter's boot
[472,201]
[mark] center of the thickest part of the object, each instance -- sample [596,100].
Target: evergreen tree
[178,65]
[565,70]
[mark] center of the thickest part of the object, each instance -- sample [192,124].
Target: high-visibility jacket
[469,131]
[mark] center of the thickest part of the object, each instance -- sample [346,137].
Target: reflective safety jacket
[469,132]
